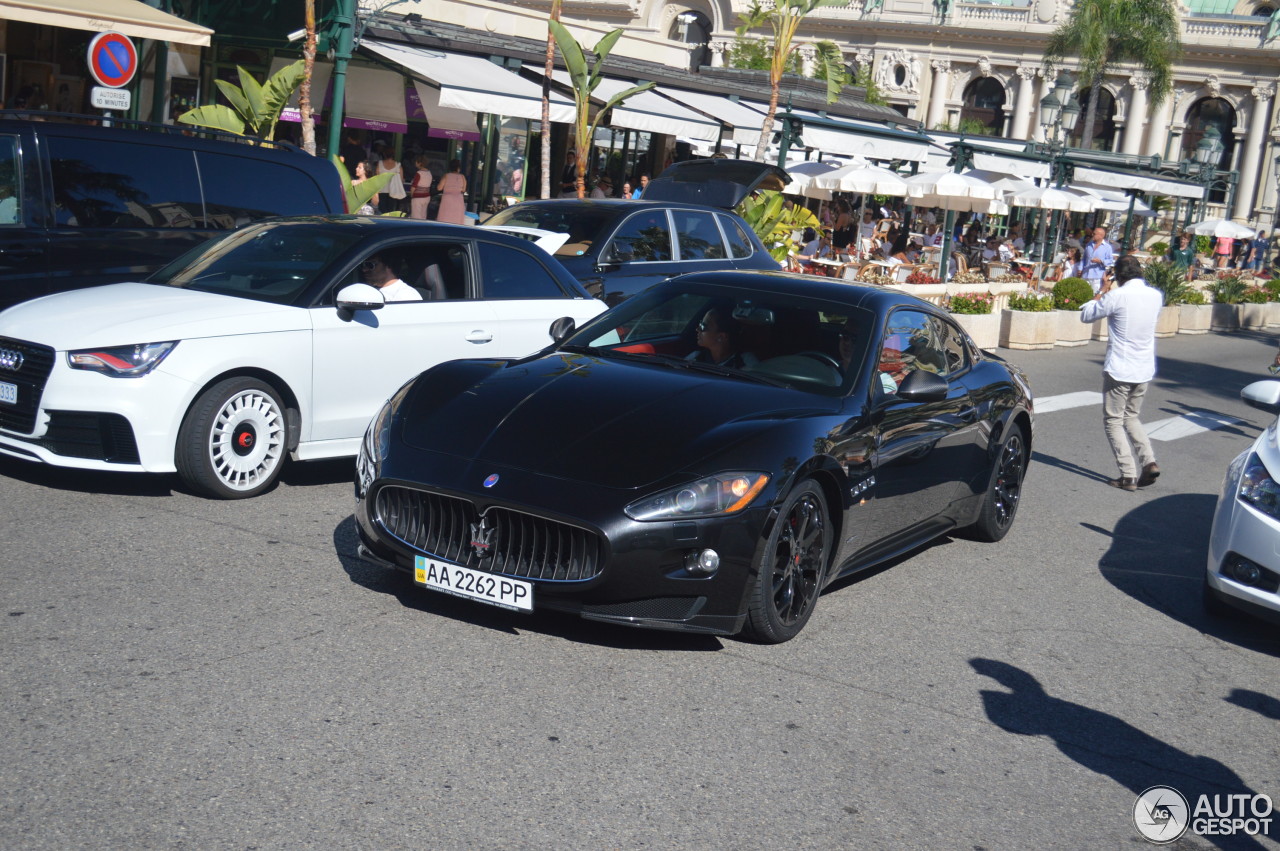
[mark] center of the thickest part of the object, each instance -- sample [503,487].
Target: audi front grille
[27,366]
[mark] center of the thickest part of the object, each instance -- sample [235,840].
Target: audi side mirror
[359,297]
[562,328]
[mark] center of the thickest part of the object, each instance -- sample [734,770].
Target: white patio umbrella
[1221,228]
[1052,198]
[955,191]
[802,177]
[864,178]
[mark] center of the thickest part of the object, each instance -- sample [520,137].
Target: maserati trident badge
[491,480]
[482,539]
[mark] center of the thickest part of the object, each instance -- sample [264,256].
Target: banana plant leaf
[359,194]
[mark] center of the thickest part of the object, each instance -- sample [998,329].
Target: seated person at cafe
[867,228]
[719,340]
[818,248]
[900,252]
[1015,240]
[996,251]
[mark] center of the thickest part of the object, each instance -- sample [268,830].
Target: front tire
[1004,489]
[790,573]
[232,442]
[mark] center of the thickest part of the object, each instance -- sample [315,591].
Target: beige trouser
[1121,405]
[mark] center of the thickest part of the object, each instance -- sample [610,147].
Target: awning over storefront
[650,112]
[471,83]
[445,123]
[745,122]
[128,17]
[1147,183]
[860,138]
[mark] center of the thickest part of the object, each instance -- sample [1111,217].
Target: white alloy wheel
[232,442]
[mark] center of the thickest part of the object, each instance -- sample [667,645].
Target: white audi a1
[1243,571]
[267,343]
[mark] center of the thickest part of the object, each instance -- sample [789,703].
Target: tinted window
[582,224]
[508,272]
[109,184]
[644,236]
[10,182]
[272,262]
[238,190]
[698,236]
[739,242]
[955,354]
[910,343]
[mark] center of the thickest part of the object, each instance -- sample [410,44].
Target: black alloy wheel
[1005,490]
[790,575]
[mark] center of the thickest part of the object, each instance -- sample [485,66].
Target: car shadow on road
[1215,379]
[1070,466]
[1157,556]
[557,624]
[89,481]
[1106,744]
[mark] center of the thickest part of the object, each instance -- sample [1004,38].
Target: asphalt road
[180,673]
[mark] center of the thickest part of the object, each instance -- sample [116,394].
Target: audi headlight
[1258,488]
[122,361]
[714,496]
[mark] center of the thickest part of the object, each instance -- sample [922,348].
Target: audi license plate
[8,393]
[471,584]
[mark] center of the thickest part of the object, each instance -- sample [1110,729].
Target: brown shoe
[1150,473]
[1125,483]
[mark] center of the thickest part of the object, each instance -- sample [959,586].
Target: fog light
[1246,572]
[705,562]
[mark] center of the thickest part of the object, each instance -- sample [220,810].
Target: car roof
[870,296]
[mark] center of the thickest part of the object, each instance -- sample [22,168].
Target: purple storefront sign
[416,112]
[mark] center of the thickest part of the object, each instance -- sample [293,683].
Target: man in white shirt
[867,228]
[1096,258]
[1131,308]
[378,274]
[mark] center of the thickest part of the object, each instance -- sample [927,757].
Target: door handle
[480,337]
[968,415]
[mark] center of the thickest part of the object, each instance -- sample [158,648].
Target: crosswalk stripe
[1067,400]
[1185,425]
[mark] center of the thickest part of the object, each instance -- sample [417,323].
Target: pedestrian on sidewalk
[1096,258]
[1131,308]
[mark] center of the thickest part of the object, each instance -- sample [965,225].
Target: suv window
[10,182]
[739,243]
[644,236]
[107,184]
[238,190]
[698,236]
[508,272]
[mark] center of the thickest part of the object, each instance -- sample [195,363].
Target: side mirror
[562,328]
[1263,395]
[923,386]
[359,297]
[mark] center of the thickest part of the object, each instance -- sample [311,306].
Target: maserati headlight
[714,496]
[1258,488]
[122,361]
[377,440]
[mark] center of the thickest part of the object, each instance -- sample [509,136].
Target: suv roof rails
[134,124]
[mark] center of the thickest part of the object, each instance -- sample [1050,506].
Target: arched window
[1104,123]
[693,27]
[1263,11]
[1221,114]
[984,103]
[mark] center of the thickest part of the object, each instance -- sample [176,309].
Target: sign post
[113,61]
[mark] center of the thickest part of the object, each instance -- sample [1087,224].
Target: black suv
[85,203]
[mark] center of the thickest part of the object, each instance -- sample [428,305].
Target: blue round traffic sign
[112,59]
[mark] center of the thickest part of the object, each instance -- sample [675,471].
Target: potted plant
[1273,306]
[1195,314]
[1172,281]
[1068,295]
[1029,322]
[1228,294]
[972,312]
[1253,308]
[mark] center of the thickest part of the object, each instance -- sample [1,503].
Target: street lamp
[1207,155]
[1059,110]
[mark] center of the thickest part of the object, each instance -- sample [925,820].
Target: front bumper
[1242,534]
[642,577]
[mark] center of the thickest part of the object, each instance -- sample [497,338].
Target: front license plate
[461,581]
[8,393]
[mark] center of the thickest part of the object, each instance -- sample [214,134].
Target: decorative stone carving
[1046,11]
[1027,72]
[943,65]
[1263,92]
[899,73]
[863,57]
[984,66]
[1213,85]
[1140,80]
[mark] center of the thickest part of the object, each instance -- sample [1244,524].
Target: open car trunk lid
[719,183]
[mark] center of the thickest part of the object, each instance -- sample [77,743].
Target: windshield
[583,223]
[804,343]
[273,261]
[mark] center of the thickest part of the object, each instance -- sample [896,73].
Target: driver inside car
[378,273]
[719,339]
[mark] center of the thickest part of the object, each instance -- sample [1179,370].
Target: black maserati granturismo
[707,456]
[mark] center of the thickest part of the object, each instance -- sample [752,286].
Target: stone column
[1253,143]
[1025,107]
[938,92]
[808,58]
[1047,78]
[718,50]
[1137,114]
[1158,138]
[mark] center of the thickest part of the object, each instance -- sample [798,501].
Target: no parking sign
[113,60]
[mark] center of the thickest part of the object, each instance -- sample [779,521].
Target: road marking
[1185,425]
[1067,400]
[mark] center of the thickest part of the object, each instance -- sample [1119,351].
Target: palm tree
[784,17]
[1102,34]
[546,100]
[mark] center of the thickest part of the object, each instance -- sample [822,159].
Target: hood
[123,314]
[716,183]
[608,422]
